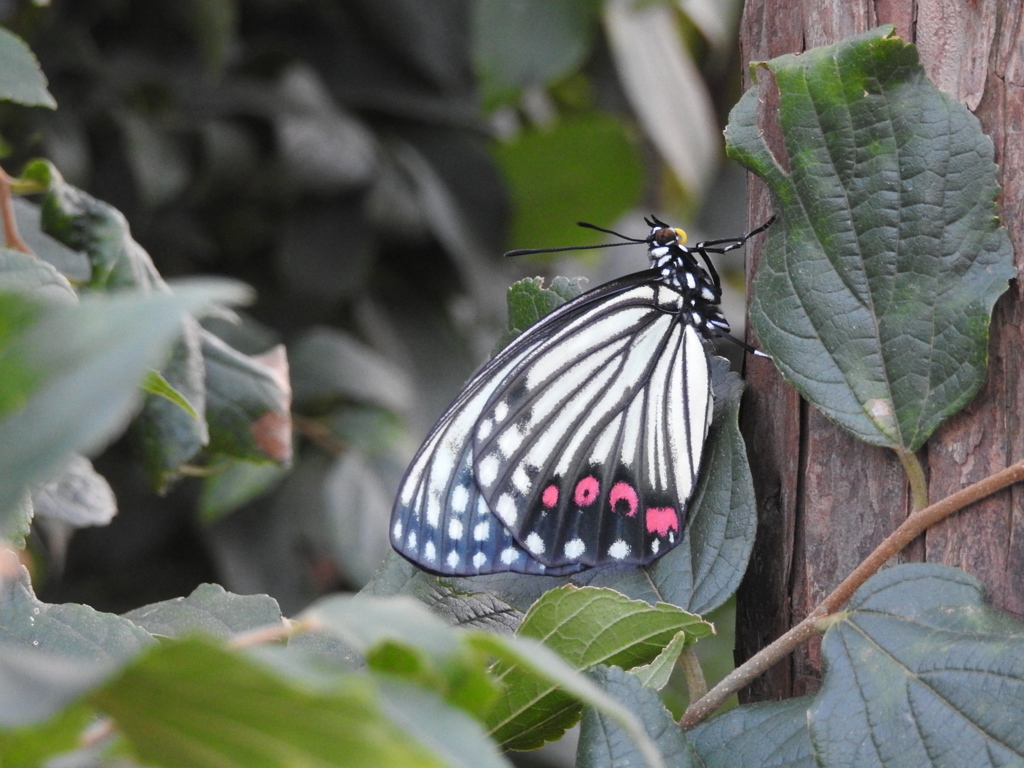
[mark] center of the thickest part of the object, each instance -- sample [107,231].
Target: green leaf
[79,496]
[156,384]
[74,371]
[604,744]
[21,79]
[450,733]
[234,483]
[585,627]
[876,286]
[73,264]
[30,746]
[529,44]
[191,704]
[581,167]
[23,272]
[16,520]
[70,630]
[768,735]
[544,669]
[399,636]
[924,673]
[84,223]
[656,674]
[469,608]
[248,402]
[528,300]
[171,429]
[330,366]
[211,610]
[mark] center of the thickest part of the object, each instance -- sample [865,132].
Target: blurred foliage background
[362,164]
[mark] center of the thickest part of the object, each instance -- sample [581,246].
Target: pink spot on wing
[550,496]
[586,491]
[661,520]
[623,492]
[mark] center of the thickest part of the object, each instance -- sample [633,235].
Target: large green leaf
[399,636]
[211,610]
[603,744]
[543,669]
[586,627]
[191,704]
[766,735]
[876,286]
[921,673]
[68,629]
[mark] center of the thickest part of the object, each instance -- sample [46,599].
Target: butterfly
[580,444]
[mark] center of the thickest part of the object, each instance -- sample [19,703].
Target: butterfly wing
[578,445]
[588,450]
[440,520]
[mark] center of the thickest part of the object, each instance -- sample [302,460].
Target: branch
[911,528]
[12,238]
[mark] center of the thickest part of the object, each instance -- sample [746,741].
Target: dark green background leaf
[876,286]
[76,372]
[529,43]
[606,181]
[21,79]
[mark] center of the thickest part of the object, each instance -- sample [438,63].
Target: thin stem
[911,528]
[12,238]
[915,474]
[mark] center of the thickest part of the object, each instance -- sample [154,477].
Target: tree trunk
[825,499]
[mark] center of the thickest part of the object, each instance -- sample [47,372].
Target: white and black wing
[578,445]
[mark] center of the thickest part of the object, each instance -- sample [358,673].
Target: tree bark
[825,499]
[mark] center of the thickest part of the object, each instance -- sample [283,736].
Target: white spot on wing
[500,411]
[481,531]
[510,439]
[453,559]
[460,499]
[575,548]
[507,510]
[454,529]
[396,531]
[535,544]
[484,429]
[433,510]
[487,471]
[410,542]
[618,550]
[520,480]
[429,553]
[479,559]
[509,555]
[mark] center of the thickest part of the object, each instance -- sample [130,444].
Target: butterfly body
[580,444]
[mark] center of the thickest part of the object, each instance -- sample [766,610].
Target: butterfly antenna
[628,241]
